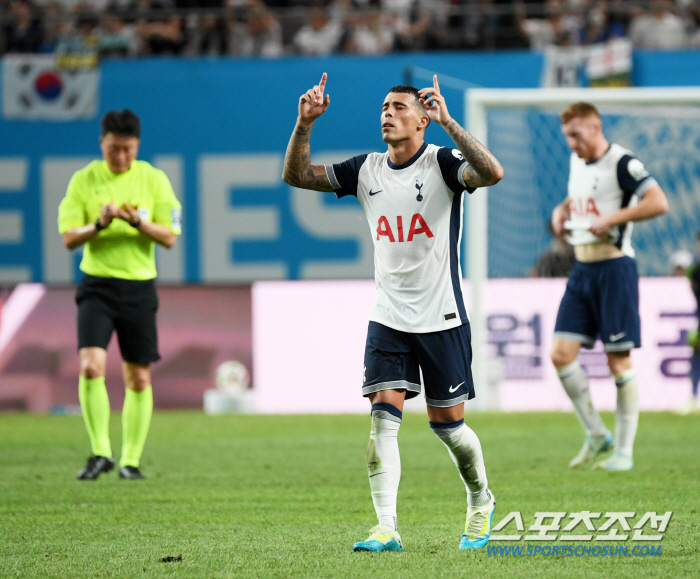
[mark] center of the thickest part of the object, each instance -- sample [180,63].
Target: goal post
[478,103]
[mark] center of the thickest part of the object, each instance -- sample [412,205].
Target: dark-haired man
[412,197]
[119,208]
[609,188]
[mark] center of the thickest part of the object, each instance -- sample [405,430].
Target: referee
[119,208]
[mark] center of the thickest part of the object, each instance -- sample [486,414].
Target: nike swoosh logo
[370,476]
[455,388]
[374,192]
[616,337]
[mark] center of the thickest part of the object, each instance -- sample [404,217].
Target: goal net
[507,225]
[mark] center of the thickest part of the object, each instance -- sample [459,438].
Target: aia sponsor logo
[418,226]
[583,207]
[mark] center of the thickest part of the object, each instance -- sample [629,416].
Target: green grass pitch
[286,496]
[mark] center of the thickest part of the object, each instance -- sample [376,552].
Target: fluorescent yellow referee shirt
[119,251]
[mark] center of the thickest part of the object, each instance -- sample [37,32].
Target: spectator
[209,31]
[376,27]
[557,261]
[160,34]
[694,41]
[86,28]
[23,32]
[401,8]
[56,26]
[320,35]
[601,25]
[548,31]
[211,37]
[260,35]
[80,47]
[370,34]
[410,26]
[477,24]
[661,29]
[116,37]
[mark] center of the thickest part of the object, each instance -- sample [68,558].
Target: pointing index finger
[322,84]
[436,86]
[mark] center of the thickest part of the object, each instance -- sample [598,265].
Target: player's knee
[619,362]
[561,356]
[91,369]
[137,378]
[138,383]
[450,415]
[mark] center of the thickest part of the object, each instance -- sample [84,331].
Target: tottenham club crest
[419,197]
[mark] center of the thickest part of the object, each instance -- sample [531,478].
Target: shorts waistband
[604,263]
[117,281]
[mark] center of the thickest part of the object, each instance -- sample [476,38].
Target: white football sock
[627,413]
[465,449]
[575,382]
[384,462]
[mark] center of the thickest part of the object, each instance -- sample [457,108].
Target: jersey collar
[410,161]
[601,157]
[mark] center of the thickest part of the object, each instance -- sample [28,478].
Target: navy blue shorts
[394,360]
[601,299]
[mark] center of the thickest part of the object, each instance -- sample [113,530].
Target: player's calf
[384,462]
[465,449]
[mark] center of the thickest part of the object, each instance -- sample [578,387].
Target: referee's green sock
[136,418]
[94,403]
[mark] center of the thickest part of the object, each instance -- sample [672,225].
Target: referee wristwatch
[98,225]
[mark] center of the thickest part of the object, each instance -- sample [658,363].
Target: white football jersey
[618,179]
[415,214]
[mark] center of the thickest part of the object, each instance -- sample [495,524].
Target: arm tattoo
[298,171]
[483,169]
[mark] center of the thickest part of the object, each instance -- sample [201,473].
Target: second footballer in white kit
[609,189]
[412,196]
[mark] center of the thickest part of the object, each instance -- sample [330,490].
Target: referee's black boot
[130,472]
[95,466]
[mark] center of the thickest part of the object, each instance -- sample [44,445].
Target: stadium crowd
[130,28]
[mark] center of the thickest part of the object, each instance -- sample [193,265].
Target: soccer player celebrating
[412,197]
[119,208]
[609,188]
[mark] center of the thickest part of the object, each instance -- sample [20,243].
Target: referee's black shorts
[127,306]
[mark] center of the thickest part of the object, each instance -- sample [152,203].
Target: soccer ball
[232,376]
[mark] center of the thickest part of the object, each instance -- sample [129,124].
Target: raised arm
[483,169]
[298,170]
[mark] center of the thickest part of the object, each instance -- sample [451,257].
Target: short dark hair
[124,123]
[404,88]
